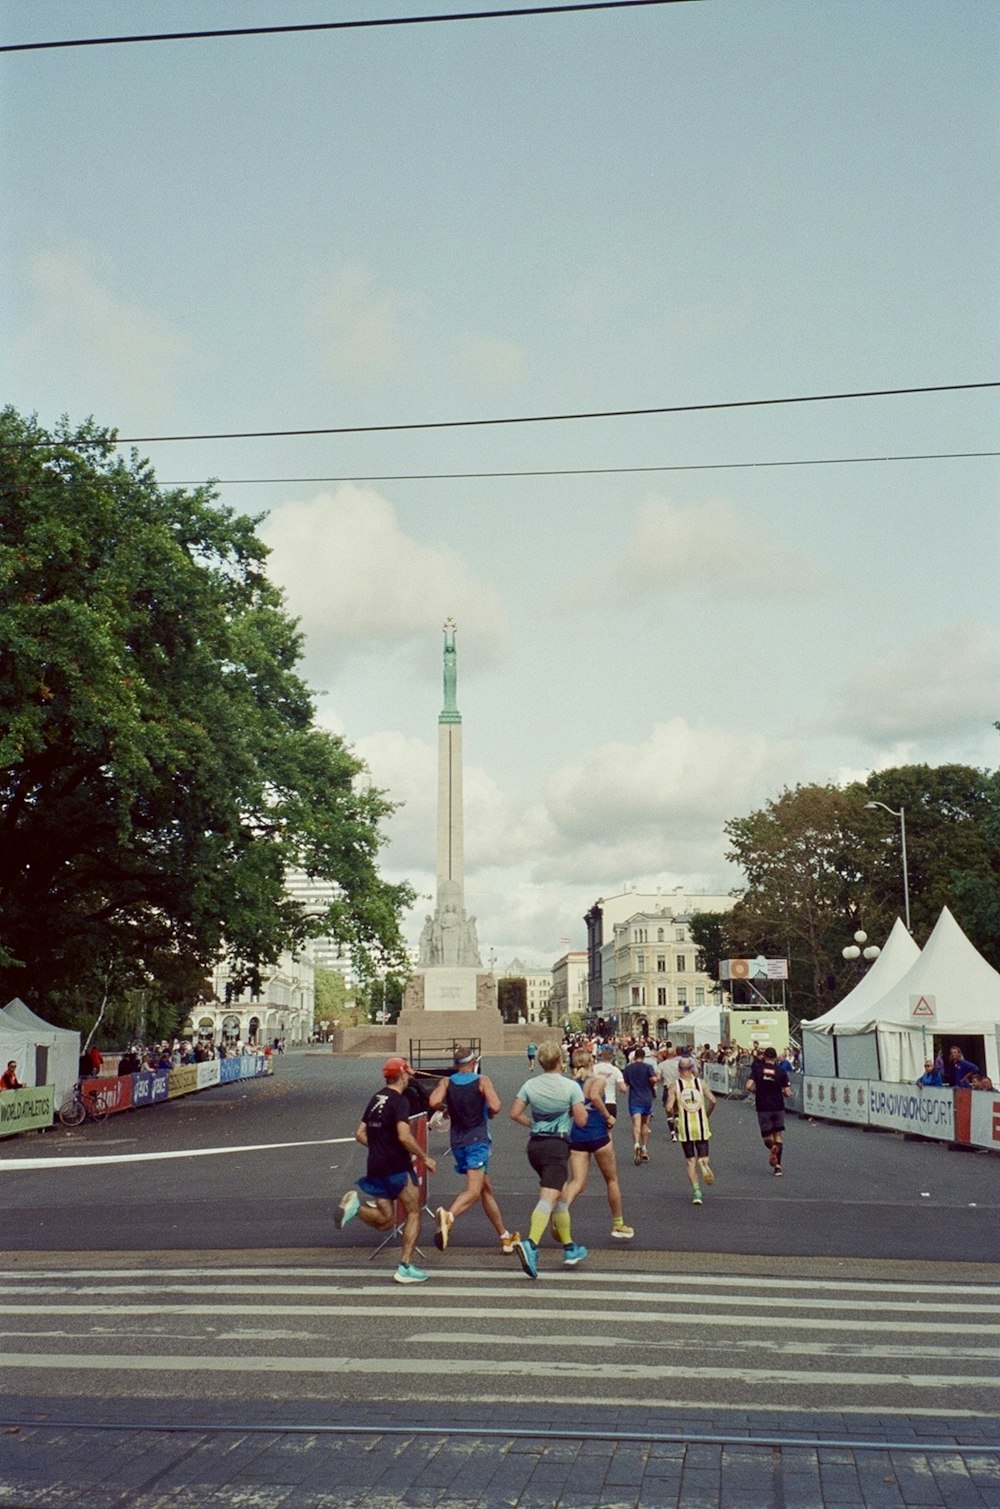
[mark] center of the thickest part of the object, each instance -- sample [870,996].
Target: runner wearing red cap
[384,1130]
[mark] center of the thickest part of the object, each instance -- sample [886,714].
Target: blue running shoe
[407,1274]
[527,1254]
[347,1209]
[573,1254]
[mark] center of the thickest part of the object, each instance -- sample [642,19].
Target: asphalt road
[279,1152]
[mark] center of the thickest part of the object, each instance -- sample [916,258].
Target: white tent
[701,1025]
[951,978]
[819,1052]
[61,1045]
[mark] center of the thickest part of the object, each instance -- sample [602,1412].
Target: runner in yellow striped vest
[692,1102]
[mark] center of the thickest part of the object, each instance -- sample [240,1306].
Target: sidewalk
[443,1457]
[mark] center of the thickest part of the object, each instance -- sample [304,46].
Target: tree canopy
[160,764]
[820,864]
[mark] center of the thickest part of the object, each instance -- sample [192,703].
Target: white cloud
[122,355]
[702,547]
[366,329]
[352,574]
[492,364]
[944,685]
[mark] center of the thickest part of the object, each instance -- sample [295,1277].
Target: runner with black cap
[384,1130]
[470,1100]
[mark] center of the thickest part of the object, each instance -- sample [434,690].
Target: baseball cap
[394,1067]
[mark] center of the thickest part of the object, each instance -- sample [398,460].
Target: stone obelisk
[449,980]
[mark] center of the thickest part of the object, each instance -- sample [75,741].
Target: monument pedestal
[450,1003]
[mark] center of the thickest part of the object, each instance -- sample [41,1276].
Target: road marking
[475,1367]
[88,1160]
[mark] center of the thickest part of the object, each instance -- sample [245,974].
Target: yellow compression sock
[539,1220]
[561,1223]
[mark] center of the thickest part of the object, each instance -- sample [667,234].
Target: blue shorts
[474,1155]
[639,1108]
[388,1188]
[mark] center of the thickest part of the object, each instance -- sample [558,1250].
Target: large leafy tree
[820,863]
[160,767]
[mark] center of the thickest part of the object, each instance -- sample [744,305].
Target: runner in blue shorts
[470,1100]
[384,1130]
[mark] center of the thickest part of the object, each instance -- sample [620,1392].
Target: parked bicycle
[81,1104]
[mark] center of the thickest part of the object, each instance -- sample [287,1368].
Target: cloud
[493,365]
[125,357]
[946,684]
[366,330]
[351,574]
[702,547]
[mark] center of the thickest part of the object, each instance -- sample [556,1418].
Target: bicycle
[81,1104]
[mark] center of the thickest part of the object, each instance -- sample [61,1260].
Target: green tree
[331,997]
[708,932]
[160,767]
[512,998]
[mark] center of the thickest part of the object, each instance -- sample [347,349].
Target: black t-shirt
[386,1154]
[768,1081]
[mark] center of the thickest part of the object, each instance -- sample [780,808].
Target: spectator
[958,1068]
[980,1082]
[931,1075]
[9,1079]
[129,1062]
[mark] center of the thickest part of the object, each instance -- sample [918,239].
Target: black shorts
[697,1149]
[593,1146]
[549,1157]
[770,1121]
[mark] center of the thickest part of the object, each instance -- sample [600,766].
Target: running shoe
[347,1209]
[772,1157]
[445,1221]
[645,1156]
[622,1232]
[407,1274]
[778,1169]
[708,1174]
[509,1242]
[527,1256]
[573,1254]
[696,1195]
[638,1155]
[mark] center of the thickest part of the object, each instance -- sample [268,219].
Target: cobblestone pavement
[631,1458]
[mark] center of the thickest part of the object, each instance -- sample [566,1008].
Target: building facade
[538,984]
[283,1007]
[569,987]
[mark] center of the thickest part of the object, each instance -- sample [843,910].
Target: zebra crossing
[486,1333]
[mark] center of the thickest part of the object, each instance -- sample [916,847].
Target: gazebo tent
[821,1052]
[702,1025]
[61,1045]
[964,990]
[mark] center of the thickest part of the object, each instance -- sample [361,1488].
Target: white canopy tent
[951,979]
[819,1049]
[62,1047]
[699,1026]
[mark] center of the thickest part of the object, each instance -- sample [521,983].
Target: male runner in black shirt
[771,1088]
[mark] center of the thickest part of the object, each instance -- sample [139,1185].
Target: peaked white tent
[819,1051]
[702,1025]
[62,1047]
[964,990]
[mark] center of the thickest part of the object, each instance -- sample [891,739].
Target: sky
[664,619]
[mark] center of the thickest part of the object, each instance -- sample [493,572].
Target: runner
[771,1089]
[691,1102]
[532,1051]
[384,1130]
[667,1062]
[470,1100]
[640,1078]
[548,1106]
[593,1141]
[607,1070]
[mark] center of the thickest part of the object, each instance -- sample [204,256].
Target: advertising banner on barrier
[836,1099]
[115,1094]
[208,1073]
[716,1077]
[912,1108]
[182,1081]
[984,1118]
[230,1069]
[25,1110]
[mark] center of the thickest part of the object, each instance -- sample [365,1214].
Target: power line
[460,424]
[587,471]
[270,31]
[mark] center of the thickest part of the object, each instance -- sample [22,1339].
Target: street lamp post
[901,814]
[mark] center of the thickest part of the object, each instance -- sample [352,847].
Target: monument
[450,994]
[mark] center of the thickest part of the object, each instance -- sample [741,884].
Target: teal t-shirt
[549,1098]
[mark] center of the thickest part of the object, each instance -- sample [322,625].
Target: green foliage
[160,769]
[708,932]
[512,998]
[820,864]
[382,995]
[331,996]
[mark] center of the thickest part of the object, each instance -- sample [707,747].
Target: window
[699,995]
[681,963]
[661,995]
[640,963]
[679,935]
[635,995]
[661,964]
[682,995]
[659,935]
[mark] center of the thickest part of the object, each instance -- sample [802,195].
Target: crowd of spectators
[654,1050]
[172,1053]
[954,1071]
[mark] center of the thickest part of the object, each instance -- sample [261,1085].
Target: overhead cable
[582,471]
[267,31]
